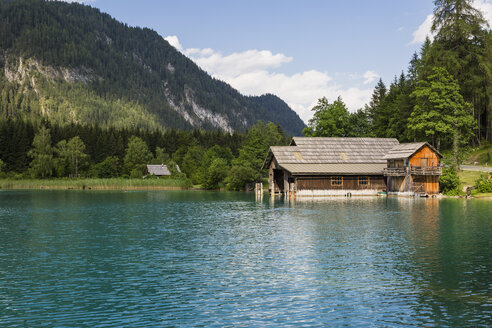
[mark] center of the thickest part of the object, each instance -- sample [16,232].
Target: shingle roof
[331,151]
[406,150]
[322,169]
[158,170]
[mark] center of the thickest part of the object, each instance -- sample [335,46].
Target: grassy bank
[468,178]
[481,155]
[97,184]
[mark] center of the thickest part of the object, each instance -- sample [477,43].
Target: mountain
[71,63]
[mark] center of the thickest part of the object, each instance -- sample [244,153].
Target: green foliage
[216,173]
[449,182]
[191,163]
[2,165]
[329,119]
[70,156]
[161,157]
[137,155]
[42,163]
[239,176]
[484,184]
[173,169]
[138,171]
[247,166]
[485,158]
[109,168]
[440,111]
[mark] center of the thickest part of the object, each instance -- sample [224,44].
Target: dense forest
[70,63]
[213,159]
[444,96]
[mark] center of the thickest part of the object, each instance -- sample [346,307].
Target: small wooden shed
[413,168]
[329,166]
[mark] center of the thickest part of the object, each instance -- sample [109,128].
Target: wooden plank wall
[431,183]
[348,183]
[396,184]
[425,152]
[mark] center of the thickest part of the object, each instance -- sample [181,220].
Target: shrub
[138,171]
[450,182]
[106,169]
[484,184]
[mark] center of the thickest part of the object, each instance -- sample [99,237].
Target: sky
[298,50]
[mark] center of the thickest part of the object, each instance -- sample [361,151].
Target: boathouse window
[363,181]
[336,181]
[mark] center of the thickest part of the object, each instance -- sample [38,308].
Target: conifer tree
[42,154]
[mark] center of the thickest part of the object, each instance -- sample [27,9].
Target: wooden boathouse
[329,166]
[413,168]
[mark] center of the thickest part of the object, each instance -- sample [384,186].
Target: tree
[462,46]
[191,163]
[214,166]
[329,119]
[76,151]
[360,124]
[42,154]
[440,111]
[216,173]
[106,169]
[161,157]
[62,163]
[247,166]
[137,155]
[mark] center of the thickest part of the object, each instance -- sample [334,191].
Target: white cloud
[370,76]
[252,73]
[424,29]
[485,6]
[174,41]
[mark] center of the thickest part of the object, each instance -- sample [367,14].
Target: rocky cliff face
[70,62]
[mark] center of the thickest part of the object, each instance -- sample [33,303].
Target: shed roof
[332,151]
[341,169]
[158,170]
[406,150]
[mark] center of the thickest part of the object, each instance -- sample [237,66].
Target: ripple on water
[153,259]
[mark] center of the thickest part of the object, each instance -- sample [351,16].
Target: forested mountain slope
[72,63]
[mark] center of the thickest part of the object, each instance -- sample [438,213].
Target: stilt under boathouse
[329,166]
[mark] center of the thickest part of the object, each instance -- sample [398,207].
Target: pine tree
[42,154]
[460,46]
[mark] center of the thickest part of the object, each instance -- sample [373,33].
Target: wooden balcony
[414,170]
[426,170]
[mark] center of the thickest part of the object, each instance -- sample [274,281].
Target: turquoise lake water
[209,259]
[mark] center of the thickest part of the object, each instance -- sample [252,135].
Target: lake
[205,259]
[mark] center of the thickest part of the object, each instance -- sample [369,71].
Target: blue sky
[298,50]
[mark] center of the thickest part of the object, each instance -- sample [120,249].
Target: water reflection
[223,259]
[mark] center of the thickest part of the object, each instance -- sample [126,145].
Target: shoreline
[137,185]
[95,184]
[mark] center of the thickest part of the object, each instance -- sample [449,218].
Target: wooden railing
[426,170]
[394,171]
[414,170]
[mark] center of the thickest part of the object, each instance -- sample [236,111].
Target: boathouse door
[278,180]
